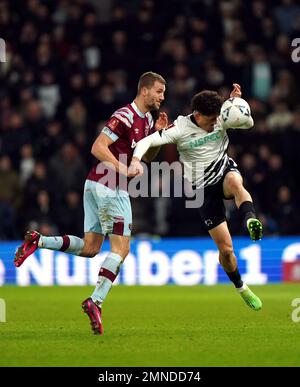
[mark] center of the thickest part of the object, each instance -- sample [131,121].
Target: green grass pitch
[150,326]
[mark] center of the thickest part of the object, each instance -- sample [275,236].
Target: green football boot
[255,229]
[250,298]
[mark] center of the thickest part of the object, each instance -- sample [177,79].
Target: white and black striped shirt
[202,153]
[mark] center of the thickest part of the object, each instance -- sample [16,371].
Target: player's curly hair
[207,102]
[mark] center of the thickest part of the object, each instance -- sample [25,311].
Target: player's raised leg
[221,236]
[233,187]
[88,246]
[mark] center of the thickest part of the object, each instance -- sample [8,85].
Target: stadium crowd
[71,63]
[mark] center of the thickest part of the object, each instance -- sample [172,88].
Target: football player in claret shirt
[107,208]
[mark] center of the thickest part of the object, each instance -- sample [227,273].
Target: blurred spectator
[39,181]
[27,163]
[91,52]
[276,177]
[71,214]
[10,188]
[10,198]
[286,15]
[286,212]
[51,140]
[106,99]
[49,94]
[281,117]
[35,119]
[77,116]
[118,55]
[285,89]
[41,210]
[15,136]
[67,170]
[261,75]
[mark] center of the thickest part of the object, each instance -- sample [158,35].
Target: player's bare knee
[89,252]
[234,184]
[226,251]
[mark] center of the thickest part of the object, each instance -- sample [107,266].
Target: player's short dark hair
[148,79]
[207,102]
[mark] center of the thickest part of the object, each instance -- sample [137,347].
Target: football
[235,112]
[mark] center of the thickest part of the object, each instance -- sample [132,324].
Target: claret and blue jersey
[107,205]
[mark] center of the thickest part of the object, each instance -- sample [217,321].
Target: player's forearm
[143,145]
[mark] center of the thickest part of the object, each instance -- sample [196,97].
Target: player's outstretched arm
[154,140]
[164,136]
[161,123]
[160,137]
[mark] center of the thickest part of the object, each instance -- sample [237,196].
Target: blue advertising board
[188,261]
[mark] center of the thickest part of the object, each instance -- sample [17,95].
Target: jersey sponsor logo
[215,136]
[112,123]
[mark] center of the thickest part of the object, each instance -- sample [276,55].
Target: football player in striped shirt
[202,143]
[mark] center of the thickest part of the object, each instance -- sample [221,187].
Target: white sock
[68,243]
[242,288]
[107,274]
